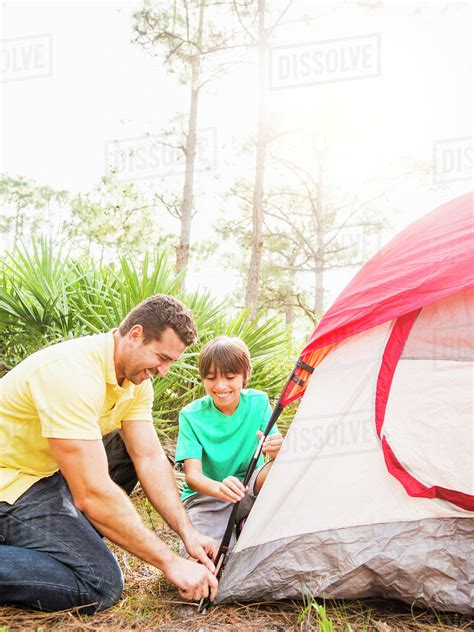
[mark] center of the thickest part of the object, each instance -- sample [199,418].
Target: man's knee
[110,596]
[121,468]
[107,589]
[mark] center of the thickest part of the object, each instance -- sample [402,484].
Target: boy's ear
[247,378]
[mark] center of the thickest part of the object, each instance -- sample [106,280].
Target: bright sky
[74,84]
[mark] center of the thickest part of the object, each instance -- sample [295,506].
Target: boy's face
[224,388]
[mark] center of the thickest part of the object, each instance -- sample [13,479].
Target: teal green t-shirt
[224,443]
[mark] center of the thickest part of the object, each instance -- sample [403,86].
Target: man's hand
[193,580]
[230,490]
[201,548]
[271,445]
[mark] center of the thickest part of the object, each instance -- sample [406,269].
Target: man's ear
[135,332]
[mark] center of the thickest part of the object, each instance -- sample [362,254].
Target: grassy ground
[149,603]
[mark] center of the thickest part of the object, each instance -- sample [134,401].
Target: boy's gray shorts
[210,516]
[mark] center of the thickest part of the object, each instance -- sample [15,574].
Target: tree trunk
[18,224]
[318,210]
[182,255]
[318,292]
[289,307]
[320,258]
[289,317]
[253,276]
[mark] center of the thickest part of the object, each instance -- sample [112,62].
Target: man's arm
[157,480]
[84,466]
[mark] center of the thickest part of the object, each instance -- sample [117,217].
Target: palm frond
[46,296]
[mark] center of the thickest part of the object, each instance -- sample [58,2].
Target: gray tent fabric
[427,562]
[331,520]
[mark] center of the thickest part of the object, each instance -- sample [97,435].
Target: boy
[218,435]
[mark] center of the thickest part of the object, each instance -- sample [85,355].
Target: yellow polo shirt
[66,391]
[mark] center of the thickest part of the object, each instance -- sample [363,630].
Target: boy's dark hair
[157,313]
[227,355]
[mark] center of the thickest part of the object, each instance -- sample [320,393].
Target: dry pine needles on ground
[150,603]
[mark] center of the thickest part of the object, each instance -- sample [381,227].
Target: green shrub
[46,296]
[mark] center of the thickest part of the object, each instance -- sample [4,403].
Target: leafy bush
[46,297]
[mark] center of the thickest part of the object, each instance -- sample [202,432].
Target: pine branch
[272,28]
[236,11]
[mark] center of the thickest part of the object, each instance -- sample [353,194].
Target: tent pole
[205,602]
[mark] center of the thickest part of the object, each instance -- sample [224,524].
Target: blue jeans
[51,557]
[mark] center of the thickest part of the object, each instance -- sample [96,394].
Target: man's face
[142,361]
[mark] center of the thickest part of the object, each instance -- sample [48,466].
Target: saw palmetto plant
[47,296]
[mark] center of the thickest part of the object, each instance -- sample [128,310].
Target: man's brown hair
[157,313]
[227,355]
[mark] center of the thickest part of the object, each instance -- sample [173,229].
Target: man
[57,489]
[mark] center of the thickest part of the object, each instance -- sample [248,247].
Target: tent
[372,493]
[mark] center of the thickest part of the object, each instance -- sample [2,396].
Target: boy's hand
[230,490]
[271,445]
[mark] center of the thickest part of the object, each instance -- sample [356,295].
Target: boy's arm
[271,445]
[228,490]
[274,440]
